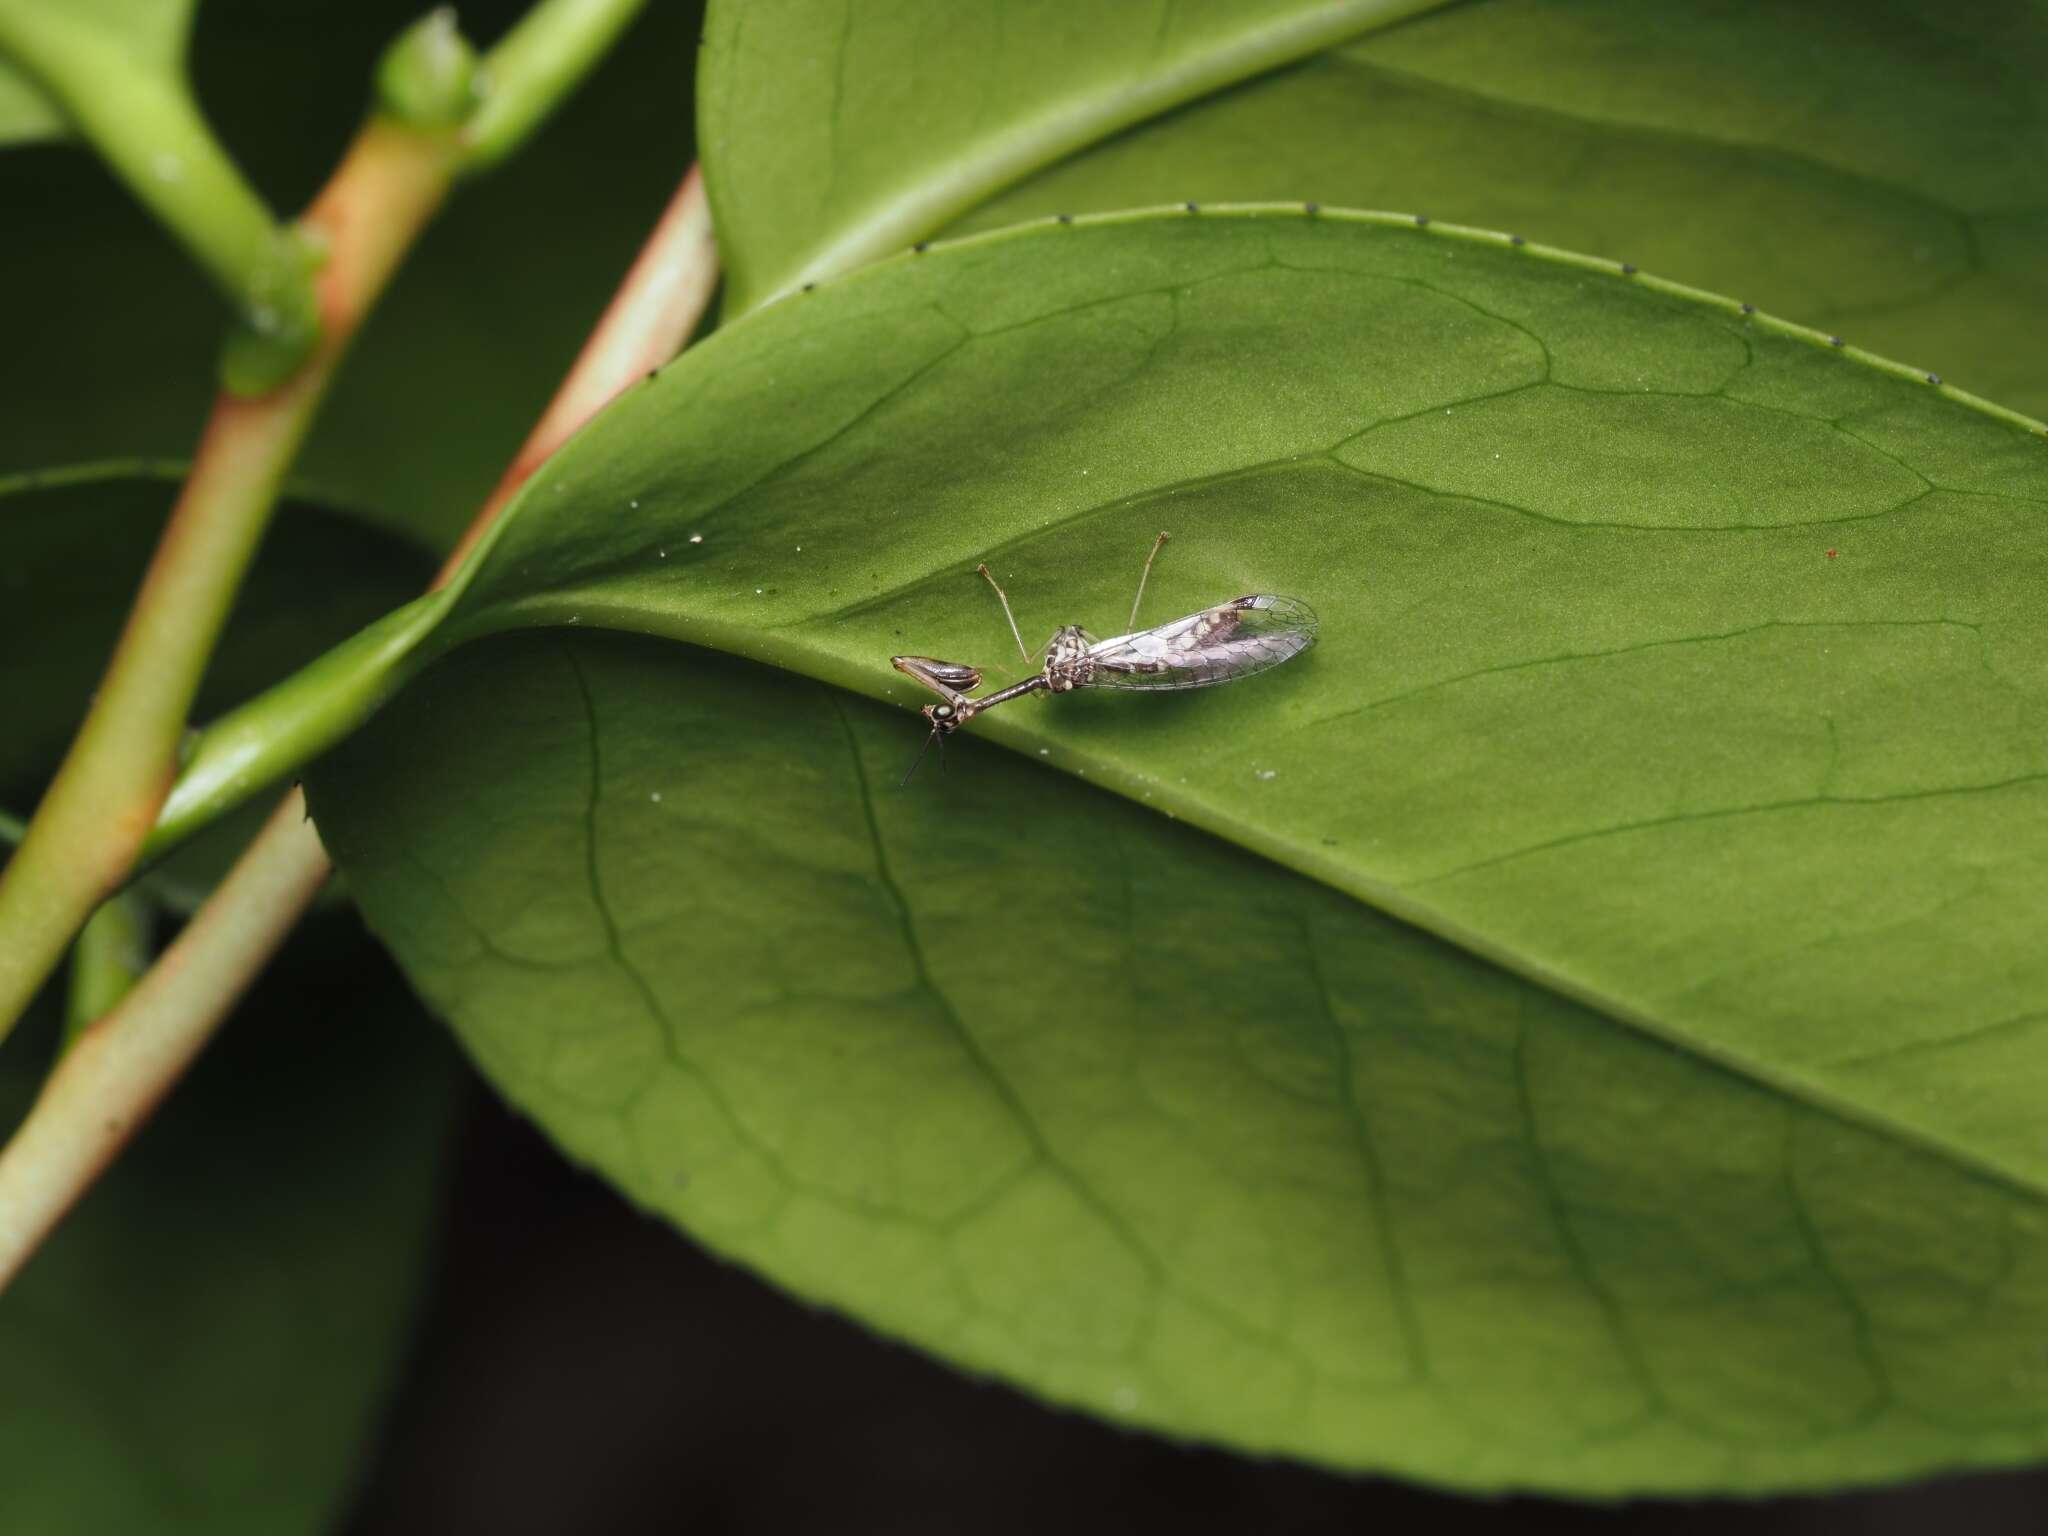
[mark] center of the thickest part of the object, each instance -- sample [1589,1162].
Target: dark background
[583,1368]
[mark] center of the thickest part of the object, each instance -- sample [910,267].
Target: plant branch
[535,65]
[122,1066]
[118,1068]
[114,950]
[663,296]
[288,725]
[143,123]
[84,838]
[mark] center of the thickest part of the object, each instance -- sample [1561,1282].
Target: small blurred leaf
[203,1347]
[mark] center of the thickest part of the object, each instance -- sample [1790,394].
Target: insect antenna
[984,570]
[920,756]
[1144,576]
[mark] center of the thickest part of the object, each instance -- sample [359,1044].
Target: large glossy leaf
[838,131]
[1674,661]
[1149,1124]
[204,1344]
[1873,170]
[112,336]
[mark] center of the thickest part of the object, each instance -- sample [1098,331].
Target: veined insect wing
[1218,645]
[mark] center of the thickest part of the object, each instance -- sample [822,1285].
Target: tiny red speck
[1831,554]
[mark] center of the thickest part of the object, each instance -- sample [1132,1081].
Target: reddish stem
[647,322]
[102,803]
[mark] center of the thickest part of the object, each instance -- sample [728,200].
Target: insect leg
[1142,575]
[1007,614]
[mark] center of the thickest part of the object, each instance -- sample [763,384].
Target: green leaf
[835,132]
[1674,662]
[112,340]
[1871,171]
[205,1344]
[76,545]
[1108,1108]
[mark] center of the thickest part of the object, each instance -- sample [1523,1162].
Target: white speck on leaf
[696,538]
[1269,773]
[655,796]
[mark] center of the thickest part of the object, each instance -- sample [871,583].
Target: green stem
[144,124]
[102,807]
[120,1066]
[82,844]
[282,729]
[534,66]
[274,734]
[112,954]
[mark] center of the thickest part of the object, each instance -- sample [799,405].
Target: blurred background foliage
[460,355]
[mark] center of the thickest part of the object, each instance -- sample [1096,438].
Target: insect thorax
[1066,660]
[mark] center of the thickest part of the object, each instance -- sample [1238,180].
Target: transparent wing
[1217,645]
